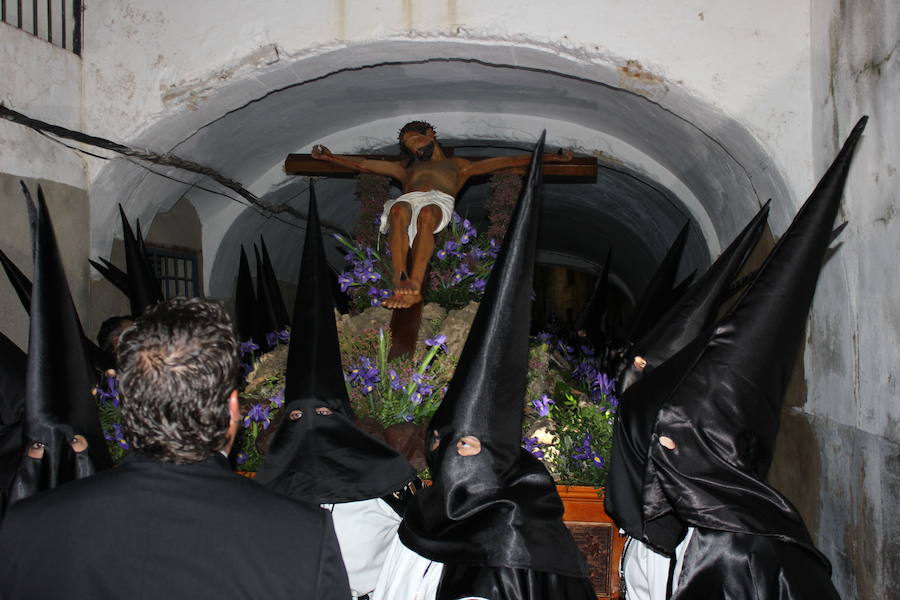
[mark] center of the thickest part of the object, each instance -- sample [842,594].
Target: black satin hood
[12,408]
[592,317]
[715,477]
[657,296]
[498,508]
[59,377]
[245,317]
[143,286]
[281,311]
[696,308]
[265,305]
[19,281]
[113,274]
[324,458]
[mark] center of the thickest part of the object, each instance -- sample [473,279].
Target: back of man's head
[178,364]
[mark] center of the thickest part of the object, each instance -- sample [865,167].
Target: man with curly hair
[430,181]
[172,521]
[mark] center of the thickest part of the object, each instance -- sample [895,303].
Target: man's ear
[234,408]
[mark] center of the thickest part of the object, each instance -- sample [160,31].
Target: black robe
[153,530]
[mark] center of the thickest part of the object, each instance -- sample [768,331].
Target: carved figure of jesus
[430,181]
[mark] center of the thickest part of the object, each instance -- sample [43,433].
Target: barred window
[176,269]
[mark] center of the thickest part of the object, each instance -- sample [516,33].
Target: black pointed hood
[112,274]
[281,311]
[696,309]
[656,297]
[314,457]
[592,317]
[265,305]
[12,408]
[59,378]
[19,281]
[723,408]
[142,282]
[245,320]
[498,508]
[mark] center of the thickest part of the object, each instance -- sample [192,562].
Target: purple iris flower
[478,285]
[442,254]
[438,340]
[534,446]
[587,453]
[375,301]
[248,346]
[117,436]
[409,418]
[394,380]
[272,339]
[416,398]
[284,336]
[241,457]
[545,338]
[277,401]
[258,413]
[542,406]
[345,280]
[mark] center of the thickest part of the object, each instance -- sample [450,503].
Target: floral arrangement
[457,275]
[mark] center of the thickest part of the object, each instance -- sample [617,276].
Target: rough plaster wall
[854,334]
[145,60]
[43,81]
[68,208]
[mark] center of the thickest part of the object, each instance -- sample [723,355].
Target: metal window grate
[176,270]
[55,21]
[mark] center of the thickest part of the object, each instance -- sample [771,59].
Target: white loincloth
[647,573]
[418,200]
[365,531]
[407,576]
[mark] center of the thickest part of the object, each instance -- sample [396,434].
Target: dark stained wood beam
[304,164]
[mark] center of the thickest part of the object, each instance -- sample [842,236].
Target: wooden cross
[405,322]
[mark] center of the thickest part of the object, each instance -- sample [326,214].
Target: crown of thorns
[416,127]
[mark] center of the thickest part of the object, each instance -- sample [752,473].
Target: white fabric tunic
[407,576]
[417,201]
[647,573]
[365,531]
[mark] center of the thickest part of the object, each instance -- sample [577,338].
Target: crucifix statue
[430,177]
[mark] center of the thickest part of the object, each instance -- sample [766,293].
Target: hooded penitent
[245,317]
[113,274]
[657,296]
[266,313]
[318,454]
[143,285]
[638,404]
[58,400]
[12,408]
[497,512]
[19,281]
[592,317]
[281,312]
[721,408]
[696,308]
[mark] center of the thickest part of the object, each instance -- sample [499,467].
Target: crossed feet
[407,292]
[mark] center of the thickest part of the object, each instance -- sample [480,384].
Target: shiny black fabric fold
[696,309]
[59,377]
[499,507]
[505,583]
[143,286]
[314,457]
[736,566]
